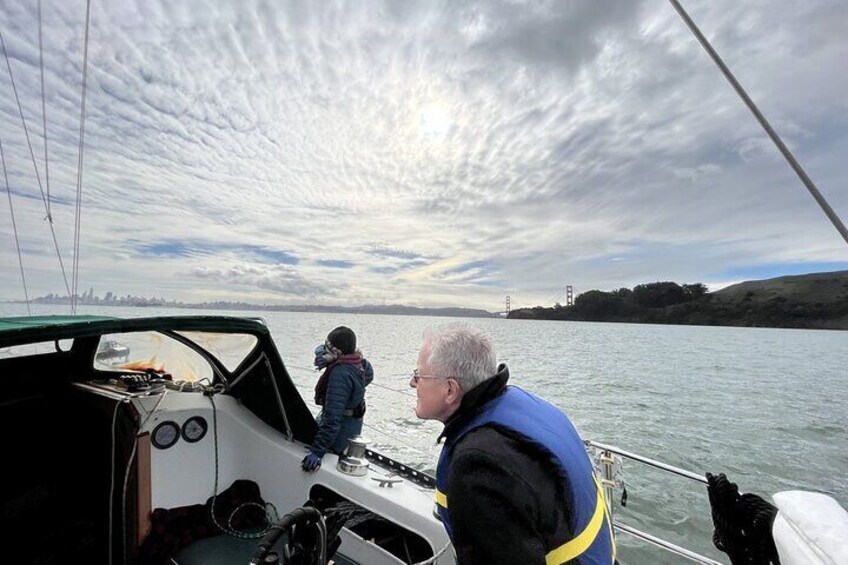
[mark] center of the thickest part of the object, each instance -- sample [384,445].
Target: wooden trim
[143,488]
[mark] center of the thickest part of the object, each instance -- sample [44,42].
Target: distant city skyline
[89,297]
[428,154]
[111,299]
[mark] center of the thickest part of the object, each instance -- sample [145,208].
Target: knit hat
[343,339]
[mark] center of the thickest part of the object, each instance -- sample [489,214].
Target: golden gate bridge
[565,298]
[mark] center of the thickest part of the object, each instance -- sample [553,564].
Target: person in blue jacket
[340,393]
[514,483]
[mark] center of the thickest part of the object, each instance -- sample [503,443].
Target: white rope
[129,468]
[433,559]
[112,477]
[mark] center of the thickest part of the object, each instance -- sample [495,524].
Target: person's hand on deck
[310,463]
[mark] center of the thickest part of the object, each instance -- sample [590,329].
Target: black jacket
[507,500]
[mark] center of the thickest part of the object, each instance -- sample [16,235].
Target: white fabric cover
[810,529]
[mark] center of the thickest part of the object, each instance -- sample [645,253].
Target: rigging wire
[834,219]
[15,228]
[78,214]
[32,155]
[379,431]
[394,438]
[316,413]
[43,108]
[403,392]
[373,383]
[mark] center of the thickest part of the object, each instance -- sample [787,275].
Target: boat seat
[229,550]
[222,549]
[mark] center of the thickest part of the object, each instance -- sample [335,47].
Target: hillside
[817,300]
[824,288]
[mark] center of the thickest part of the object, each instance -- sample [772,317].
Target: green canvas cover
[16,331]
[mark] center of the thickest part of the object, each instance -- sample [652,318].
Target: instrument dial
[194,429]
[165,435]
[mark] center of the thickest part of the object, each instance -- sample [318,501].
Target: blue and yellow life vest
[545,426]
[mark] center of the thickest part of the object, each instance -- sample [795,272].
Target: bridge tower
[569,296]
[507,306]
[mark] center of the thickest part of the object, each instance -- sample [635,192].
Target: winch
[354,463]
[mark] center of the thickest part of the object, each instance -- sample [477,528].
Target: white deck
[248,448]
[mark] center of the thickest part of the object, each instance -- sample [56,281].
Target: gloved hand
[311,462]
[323,357]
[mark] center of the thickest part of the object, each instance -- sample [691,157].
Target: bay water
[768,407]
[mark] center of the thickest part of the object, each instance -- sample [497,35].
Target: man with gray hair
[514,483]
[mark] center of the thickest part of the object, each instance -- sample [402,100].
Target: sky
[427,153]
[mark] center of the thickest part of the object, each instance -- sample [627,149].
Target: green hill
[824,288]
[817,300]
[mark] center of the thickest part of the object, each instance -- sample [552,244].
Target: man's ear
[454,395]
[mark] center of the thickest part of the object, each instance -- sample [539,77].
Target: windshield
[153,350]
[229,349]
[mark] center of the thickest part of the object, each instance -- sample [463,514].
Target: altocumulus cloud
[278,278]
[490,148]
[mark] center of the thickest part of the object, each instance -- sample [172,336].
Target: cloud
[381,251]
[445,153]
[279,278]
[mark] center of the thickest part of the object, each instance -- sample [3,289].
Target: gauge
[194,429]
[166,434]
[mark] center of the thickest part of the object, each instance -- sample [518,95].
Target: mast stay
[787,154]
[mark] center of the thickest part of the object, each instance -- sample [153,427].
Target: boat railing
[607,463]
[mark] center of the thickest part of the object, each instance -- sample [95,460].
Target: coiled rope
[743,523]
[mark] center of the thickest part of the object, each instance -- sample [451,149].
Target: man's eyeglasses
[416,377]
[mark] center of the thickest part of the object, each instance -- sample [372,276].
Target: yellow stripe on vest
[578,545]
[441,499]
[582,542]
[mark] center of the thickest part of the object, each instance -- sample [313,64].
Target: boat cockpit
[179,440]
